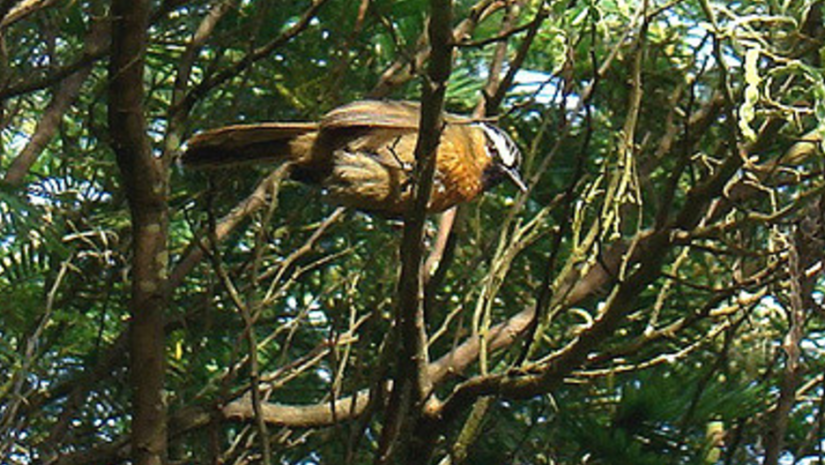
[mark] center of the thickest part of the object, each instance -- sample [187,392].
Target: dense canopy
[655,296]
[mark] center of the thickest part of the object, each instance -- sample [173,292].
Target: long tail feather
[247,143]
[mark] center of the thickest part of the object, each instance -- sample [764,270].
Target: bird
[361,155]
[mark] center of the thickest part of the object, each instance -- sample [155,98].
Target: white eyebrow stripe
[505,152]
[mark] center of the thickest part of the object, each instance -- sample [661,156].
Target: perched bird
[362,155]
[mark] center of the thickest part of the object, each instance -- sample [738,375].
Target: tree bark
[145,181]
[412,381]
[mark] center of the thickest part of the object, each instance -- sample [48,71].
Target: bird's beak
[514,176]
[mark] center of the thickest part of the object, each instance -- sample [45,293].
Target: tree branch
[5,7]
[494,100]
[412,381]
[21,9]
[146,184]
[308,416]
[65,95]
[791,376]
[401,71]
[256,55]
[178,113]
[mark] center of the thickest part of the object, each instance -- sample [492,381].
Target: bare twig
[248,60]
[19,377]
[299,252]
[503,36]
[402,70]
[495,99]
[252,349]
[255,201]
[178,114]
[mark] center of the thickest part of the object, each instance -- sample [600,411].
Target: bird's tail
[250,143]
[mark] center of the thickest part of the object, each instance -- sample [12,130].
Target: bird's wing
[401,115]
[373,114]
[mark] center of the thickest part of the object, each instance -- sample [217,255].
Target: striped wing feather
[379,114]
[374,114]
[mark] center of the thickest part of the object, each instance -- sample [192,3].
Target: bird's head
[505,156]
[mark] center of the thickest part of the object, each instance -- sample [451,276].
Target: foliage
[661,281]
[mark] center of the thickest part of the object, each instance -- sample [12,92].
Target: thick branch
[145,183]
[411,380]
[308,416]
[495,99]
[5,7]
[21,9]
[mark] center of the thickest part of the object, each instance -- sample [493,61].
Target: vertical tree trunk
[145,181]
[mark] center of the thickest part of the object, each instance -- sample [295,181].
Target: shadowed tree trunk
[145,181]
